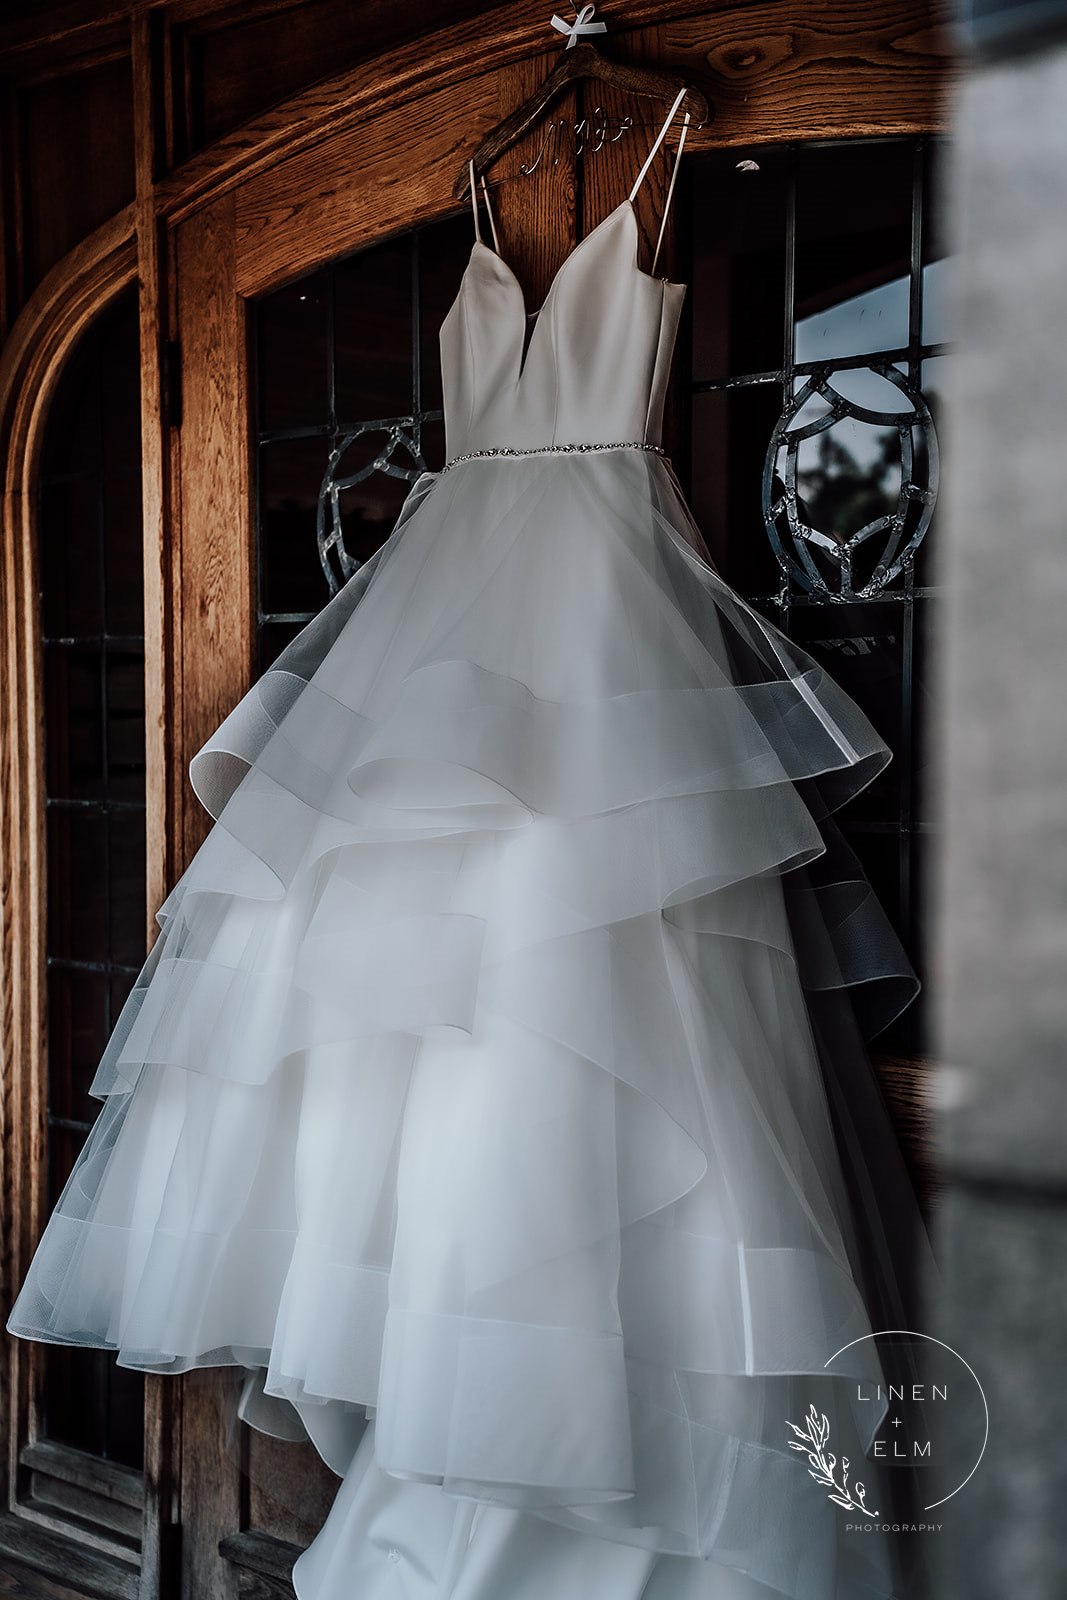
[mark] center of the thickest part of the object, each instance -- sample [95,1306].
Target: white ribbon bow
[583,23]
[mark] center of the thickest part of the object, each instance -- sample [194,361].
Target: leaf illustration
[822,1465]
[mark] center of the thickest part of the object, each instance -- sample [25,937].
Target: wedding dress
[494,1092]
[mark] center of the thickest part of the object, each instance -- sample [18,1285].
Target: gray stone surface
[1000,889]
[1001,884]
[1005,1532]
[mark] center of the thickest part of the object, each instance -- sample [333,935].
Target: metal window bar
[791,594]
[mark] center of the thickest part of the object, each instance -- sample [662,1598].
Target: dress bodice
[595,368]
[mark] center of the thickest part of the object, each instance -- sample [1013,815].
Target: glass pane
[373,333]
[853,248]
[739,264]
[935,249]
[77,884]
[862,648]
[69,522]
[79,1011]
[74,747]
[730,433]
[92,618]
[121,592]
[290,476]
[293,365]
[837,245]
[337,457]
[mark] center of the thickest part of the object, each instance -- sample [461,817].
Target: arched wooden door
[355,162]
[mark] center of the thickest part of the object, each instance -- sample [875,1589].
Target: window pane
[349,414]
[92,625]
[853,248]
[815,487]
[739,264]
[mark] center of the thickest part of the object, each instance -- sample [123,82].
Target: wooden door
[263,221]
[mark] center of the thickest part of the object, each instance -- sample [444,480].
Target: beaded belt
[551,450]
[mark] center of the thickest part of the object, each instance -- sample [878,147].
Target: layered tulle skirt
[474,1082]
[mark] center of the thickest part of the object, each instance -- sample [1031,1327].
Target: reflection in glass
[877,319]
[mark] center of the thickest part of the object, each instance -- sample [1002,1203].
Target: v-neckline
[569,257]
[531,319]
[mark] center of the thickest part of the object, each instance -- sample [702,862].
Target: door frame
[370,152]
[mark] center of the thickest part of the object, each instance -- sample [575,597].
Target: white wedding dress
[475,1083]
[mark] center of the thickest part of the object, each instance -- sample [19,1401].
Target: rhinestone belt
[552,450]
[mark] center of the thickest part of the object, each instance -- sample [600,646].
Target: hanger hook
[583,23]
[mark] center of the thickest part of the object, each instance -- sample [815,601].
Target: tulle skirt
[475,1083]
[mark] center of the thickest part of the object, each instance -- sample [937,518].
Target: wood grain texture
[38,1565]
[290,1489]
[160,1509]
[215,600]
[383,176]
[579,69]
[108,1479]
[774,70]
[824,70]
[321,38]
[261,1553]
[77,158]
[216,592]
[264,1565]
[10,242]
[211,1485]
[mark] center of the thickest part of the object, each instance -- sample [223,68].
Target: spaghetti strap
[488,207]
[661,135]
[489,212]
[670,190]
[474,202]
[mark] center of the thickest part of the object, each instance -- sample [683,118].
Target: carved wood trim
[215,639]
[774,70]
[65,303]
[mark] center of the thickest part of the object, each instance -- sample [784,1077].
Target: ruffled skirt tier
[471,1083]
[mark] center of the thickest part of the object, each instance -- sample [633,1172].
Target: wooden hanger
[581,61]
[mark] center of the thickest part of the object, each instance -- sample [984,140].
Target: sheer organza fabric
[471,1083]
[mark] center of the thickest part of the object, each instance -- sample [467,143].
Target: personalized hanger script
[588,135]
